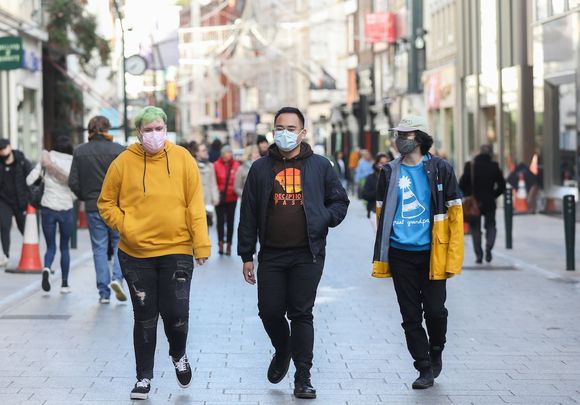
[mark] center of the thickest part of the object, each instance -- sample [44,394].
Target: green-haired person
[153,196]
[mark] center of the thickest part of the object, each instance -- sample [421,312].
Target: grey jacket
[211,195]
[241,176]
[89,166]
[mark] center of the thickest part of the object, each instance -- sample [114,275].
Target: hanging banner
[376,27]
[10,53]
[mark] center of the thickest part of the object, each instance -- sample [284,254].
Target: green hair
[148,115]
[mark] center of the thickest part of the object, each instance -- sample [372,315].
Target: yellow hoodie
[156,203]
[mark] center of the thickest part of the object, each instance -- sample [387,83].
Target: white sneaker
[118,290]
[65,290]
[45,279]
[104,300]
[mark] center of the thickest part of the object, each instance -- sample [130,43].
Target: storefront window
[510,84]
[568,134]
[28,136]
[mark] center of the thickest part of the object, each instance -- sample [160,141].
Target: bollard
[73,237]
[570,230]
[508,212]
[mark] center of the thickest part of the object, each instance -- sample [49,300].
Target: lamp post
[125,101]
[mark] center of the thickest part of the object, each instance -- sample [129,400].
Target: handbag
[471,209]
[36,190]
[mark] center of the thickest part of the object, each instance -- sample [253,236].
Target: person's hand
[249,273]
[201,261]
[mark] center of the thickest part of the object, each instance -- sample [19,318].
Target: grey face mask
[405,146]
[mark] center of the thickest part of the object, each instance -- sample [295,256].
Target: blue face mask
[285,140]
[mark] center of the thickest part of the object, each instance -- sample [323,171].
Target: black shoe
[141,390]
[182,371]
[302,386]
[488,256]
[479,260]
[278,368]
[436,362]
[425,380]
[45,279]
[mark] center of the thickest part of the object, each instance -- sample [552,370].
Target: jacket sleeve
[196,217]
[215,194]
[370,188]
[73,178]
[335,198]
[33,175]
[455,214]
[239,182]
[380,193]
[248,227]
[108,203]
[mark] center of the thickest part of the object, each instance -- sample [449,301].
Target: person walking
[369,192]
[153,196]
[363,169]
[14,168]
[211,194]
[251,154]
[56,208]
[263,145]
[340,168]
[290,199]
[89,166]
[419,242]
[225,169]
[482,178]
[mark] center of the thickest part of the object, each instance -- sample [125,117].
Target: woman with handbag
[56,203]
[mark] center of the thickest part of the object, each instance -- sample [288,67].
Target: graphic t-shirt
[412,224]
[286,224]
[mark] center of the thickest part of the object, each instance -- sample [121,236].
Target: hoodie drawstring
[145,167]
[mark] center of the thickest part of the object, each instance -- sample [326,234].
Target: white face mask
[286,140]
[154,141]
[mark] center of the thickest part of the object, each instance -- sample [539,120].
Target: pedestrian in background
[14,168]
[56,207]
[340,168]
[153,196]
[225,170]
[290,199]
[353,159]
[89,166]
[369,192]
[215,150]
[251,154]
[419,242]
[482,178]
[263,145]
[363,169]
[211,194]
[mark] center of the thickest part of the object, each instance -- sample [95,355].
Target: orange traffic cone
[82,216]
[30,257]
[521,197]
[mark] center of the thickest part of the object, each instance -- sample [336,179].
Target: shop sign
[10,53]
[434,91]
[391,28]
[376,27]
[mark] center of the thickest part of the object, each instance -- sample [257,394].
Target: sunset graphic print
[288,187]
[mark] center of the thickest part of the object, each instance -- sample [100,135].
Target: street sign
[10,53]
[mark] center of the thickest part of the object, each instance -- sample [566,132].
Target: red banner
[376,27]
[391,28]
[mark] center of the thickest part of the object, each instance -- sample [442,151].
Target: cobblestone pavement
[514,337]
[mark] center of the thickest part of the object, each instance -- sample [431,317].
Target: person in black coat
[14,167]
[369,192]
[488,184]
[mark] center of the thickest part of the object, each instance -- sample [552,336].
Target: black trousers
[418,296]
[287,284]
[6,214]
[225,215]
[158,285]
[490,232]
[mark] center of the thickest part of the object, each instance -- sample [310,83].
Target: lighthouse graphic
[411,208]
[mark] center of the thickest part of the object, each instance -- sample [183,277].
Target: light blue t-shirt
[412,223]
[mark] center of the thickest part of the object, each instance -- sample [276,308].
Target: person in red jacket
[225,171]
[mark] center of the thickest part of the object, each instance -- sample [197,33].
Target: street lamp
[125,101]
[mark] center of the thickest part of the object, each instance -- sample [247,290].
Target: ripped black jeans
[158,285]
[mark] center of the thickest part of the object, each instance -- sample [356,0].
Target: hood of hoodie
[305,152]
[163,155]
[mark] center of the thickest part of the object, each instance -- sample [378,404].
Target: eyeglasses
[156,129]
